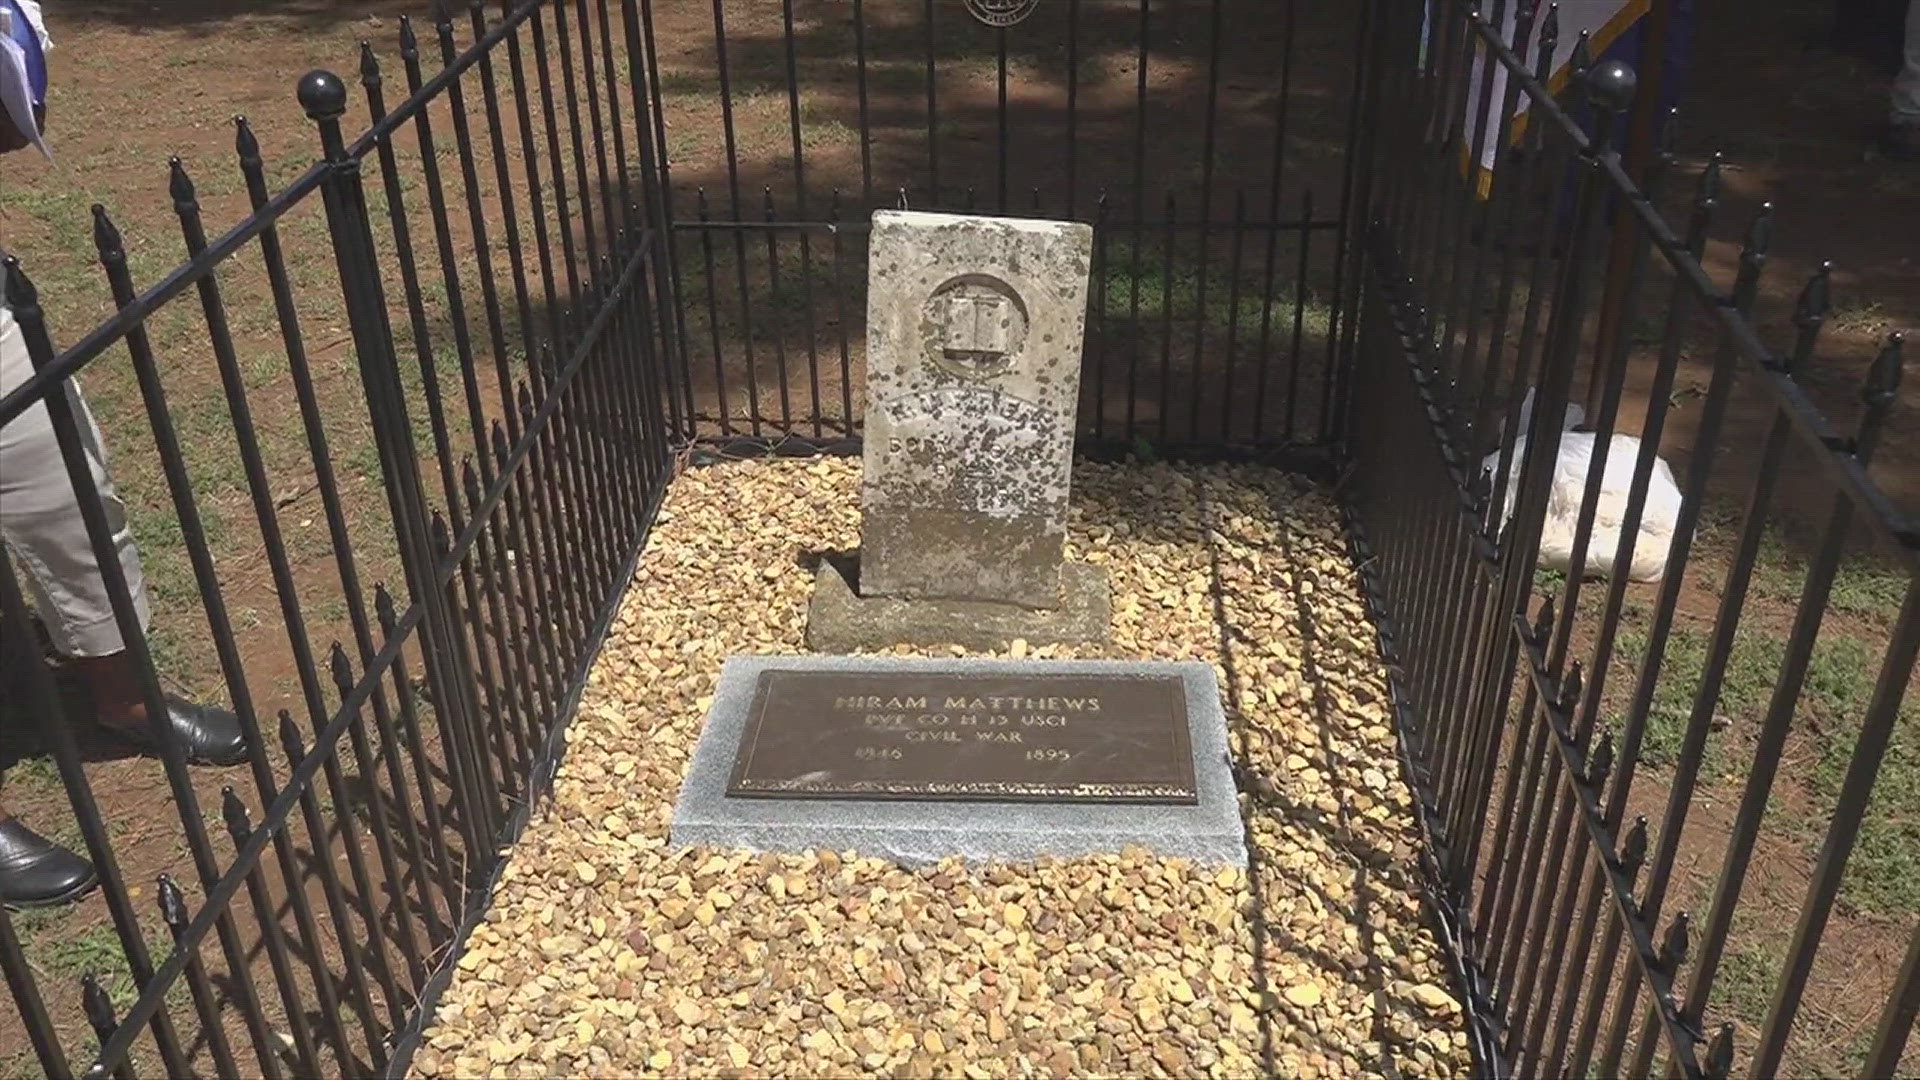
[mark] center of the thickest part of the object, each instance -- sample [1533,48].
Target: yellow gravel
[606,952]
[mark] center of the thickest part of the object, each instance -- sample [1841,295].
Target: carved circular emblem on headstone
[975,326]
[1001,12]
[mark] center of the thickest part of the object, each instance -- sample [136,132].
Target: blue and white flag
[1615,29]
[23,67]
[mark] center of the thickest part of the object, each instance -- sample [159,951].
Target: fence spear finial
[1883,377]
[98,1006]
[1543,622]
[290,739]
[235,815]
[1480,488]
[1673,948]
[1720,1054]
[1707,196]
[186,200]
[1601,763]
[1633,852]
[1549,40]
[1753,258]
[1809,314]
[342,670]
[18,287]
[1879,390]
[470,481]
[1572,687]
[1669,134]
[1815,299]
[106,238]
[173,905]
[1653,178]
[245,145]
[383,607]
[1759,235]
[369,66]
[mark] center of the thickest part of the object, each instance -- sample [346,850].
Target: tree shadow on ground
[825,120]
[1371,861]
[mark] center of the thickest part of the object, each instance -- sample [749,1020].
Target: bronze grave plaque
[949,735]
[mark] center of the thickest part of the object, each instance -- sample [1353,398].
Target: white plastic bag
[1572,465]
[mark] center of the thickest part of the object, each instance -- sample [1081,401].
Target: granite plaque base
[840,620]
[926,830]
[943,735]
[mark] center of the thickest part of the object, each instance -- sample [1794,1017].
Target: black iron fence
[1176,129]
[1511,253]
[485,465]
[596,234]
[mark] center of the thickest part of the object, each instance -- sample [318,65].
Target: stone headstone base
[922,831]
[840,620]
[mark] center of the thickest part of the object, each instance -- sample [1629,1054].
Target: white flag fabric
[1604,21]
[17,90]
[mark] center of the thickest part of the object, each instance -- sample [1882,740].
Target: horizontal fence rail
[1564,744]
[487,445]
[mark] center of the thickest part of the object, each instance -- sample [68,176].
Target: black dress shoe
[208,735]
[36,872]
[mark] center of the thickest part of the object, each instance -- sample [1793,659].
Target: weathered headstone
[988,759]
[974,327]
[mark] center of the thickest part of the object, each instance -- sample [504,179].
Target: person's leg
[33,870]
[1903,128]
[41,524]
[44,532]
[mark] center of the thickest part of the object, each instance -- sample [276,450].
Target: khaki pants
[40,517]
